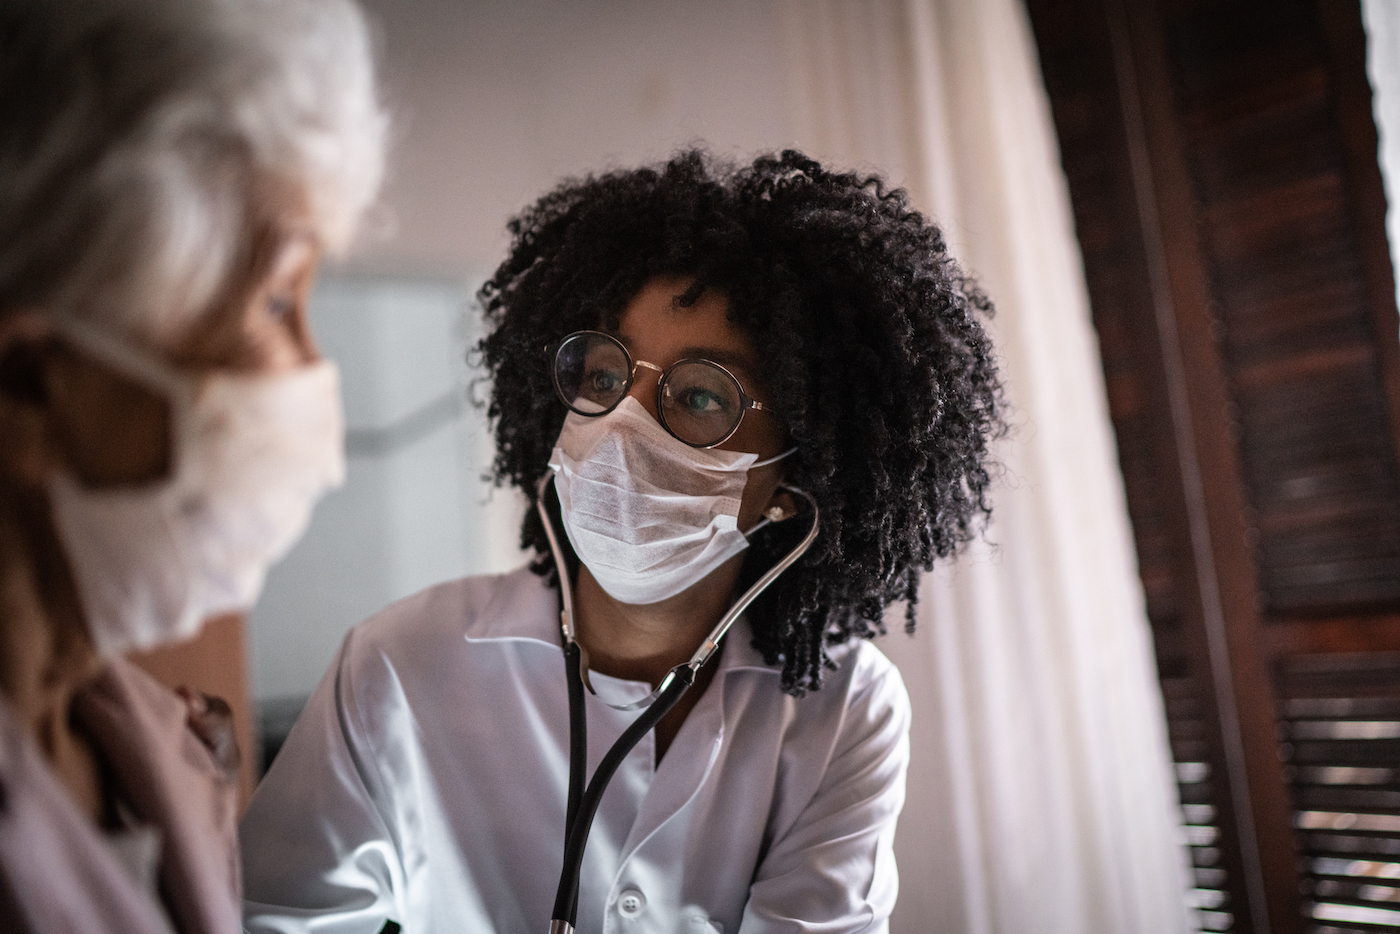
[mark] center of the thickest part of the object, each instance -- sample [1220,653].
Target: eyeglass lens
[701,404]
[592,373]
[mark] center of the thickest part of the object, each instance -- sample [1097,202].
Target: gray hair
[147,145]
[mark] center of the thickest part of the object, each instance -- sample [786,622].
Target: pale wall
[495,101]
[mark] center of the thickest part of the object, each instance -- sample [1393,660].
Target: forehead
[655,327]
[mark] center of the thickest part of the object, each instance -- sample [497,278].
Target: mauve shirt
[60,871]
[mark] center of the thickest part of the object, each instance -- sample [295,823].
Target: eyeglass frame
[748,401]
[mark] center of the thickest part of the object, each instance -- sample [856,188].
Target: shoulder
[861,676]
[864,700]
[488,605]
[865,677]
[427,634]
[862,703]
[842,750]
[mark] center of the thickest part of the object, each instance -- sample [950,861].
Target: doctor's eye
[591,372]
[603,382]
[699,401]
[698,391]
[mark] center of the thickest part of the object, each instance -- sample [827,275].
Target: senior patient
[691,356]
[170,173]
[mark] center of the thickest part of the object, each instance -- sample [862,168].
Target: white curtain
[1041,792]
[1382,19]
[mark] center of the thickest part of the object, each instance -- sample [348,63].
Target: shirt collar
[522,606]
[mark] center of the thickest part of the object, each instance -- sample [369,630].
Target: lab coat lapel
[695,750]
[683,770]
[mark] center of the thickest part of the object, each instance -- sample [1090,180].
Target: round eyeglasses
[699,401]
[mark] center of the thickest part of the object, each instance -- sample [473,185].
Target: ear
[29,454]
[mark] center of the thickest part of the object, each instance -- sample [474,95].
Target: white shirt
[426,783]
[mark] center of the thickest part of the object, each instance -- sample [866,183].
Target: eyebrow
[725,358]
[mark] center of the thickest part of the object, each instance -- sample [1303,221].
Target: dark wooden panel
[1221,163]
[1326,635]
[1221,620]
[1259,112]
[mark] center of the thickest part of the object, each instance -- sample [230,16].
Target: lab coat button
[630,903]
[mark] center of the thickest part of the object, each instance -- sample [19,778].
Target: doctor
[687,353]
[171,172]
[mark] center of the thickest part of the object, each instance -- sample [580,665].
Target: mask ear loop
[136,363]
[131,361]
[774,459]
[774,514]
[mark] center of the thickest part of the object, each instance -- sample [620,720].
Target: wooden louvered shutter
[1341,730]
[1222,168]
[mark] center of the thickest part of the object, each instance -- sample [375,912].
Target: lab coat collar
[523,606]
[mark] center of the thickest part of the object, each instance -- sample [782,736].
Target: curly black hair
[878,365]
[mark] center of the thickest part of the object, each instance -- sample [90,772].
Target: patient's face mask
[251,454]
[647,514]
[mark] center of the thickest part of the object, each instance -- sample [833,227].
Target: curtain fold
[1041,793]
[1382,22]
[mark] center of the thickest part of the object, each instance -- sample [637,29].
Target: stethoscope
[583,802]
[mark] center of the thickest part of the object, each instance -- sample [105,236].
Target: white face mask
[646,513]
[250,456]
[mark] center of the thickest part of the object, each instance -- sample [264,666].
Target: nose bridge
[644,389]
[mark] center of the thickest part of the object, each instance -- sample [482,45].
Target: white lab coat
[426,783]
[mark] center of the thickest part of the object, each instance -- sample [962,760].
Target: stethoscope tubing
[566,896]
[578,734]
